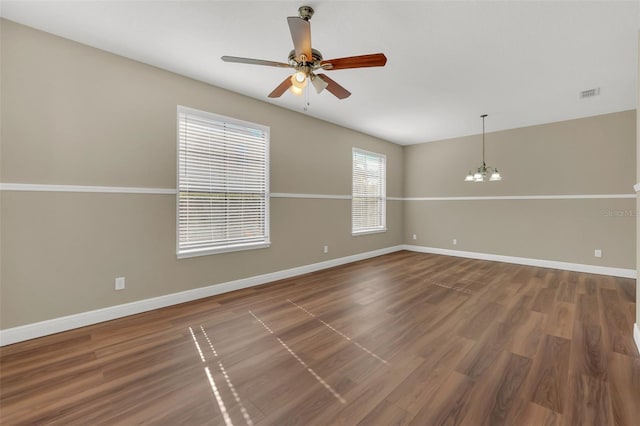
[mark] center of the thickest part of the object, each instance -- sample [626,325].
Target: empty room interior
[319,213]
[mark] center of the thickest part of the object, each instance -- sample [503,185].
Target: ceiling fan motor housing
[314,63]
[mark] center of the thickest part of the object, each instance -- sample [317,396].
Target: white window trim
[267,225]
[384,196]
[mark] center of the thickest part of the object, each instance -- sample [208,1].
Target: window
[368,205]
[223,184]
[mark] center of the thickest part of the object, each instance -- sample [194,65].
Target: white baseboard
[636,335]
[577,267]
[57,325]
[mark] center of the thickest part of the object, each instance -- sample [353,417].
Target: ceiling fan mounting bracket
[305,12]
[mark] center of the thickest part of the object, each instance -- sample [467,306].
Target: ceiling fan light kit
[484,173]
[298,83]
[307,61]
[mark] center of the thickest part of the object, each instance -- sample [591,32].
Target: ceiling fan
[307,61]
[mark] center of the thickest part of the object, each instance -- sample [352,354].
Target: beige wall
[593,155]
[75,115]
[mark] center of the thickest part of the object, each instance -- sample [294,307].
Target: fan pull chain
[307,103]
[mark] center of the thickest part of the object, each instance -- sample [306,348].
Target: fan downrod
[305,12]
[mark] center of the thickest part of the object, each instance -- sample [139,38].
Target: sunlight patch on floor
[212,383]
[304,364]
[232,388]
[461,290]
[339,333]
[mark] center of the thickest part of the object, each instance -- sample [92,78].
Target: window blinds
[223,201]
[368,205]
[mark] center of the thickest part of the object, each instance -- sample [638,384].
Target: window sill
[368,231]
[220,250]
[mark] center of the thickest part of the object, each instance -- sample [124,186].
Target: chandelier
[483,173]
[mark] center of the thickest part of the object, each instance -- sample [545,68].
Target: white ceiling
[523,63]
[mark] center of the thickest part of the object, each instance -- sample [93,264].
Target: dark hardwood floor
[405,338]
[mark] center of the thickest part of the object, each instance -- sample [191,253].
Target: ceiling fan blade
[279,91]
[333,87]
[255,61]
[318,83]
[301,36]
[362,61]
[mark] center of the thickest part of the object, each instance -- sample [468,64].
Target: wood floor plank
[484,353]
[561,320]
[526,336]
[475,325]
[543,301]
[588,354]
[537,415]
[518,310]
[619,323]
[567,290]
[386,413]
[491,400]
[450,405]
[626,288]
[590,401]
[368,394]
[420,387]
[624,388]
[550,372]
[405,338]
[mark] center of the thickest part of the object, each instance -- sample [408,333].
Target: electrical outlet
[326,249]
[455,241]
[120,283]
[597,253]
[415,237]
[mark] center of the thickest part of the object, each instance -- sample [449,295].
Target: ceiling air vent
[590,93]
